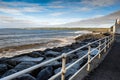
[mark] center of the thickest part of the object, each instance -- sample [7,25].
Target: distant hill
[104,21]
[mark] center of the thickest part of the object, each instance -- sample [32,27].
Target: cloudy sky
[37,13]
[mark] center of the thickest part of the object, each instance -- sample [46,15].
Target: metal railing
[104,43]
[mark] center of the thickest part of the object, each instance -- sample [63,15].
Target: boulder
[55,64]
[12,62]
[73,56]
[58,49]
[93,53]
[3,68]
[95,45]
[81,53]
[3,59]
[26,77]
[36,54]
[69,72]
[74,45]
[29,59]
[9,72]
[83,61]
[52,53]
[24,65]
[45,74]
[66,49]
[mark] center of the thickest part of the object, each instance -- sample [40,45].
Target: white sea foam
[17,39]
[63,42]
[83,32]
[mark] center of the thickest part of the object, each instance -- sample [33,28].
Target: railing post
[105,45]
[108,41]
[99,55]
[88,66]
[63,66]
[111,39]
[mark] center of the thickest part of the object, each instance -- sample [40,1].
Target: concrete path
[109,69]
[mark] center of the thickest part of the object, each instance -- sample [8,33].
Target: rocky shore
[17,63]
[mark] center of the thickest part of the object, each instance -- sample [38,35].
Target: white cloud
[98,3]
[88,5]
[10,11]
[27,21]
[83,9]
[57,13]
[32,9]
[18,8]
[56,6]
[96,16]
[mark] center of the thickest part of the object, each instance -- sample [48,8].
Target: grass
[89,29]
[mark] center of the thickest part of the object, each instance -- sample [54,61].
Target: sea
[18,37]
[15,37]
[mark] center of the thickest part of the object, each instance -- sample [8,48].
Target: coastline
[19,62]
[18,50]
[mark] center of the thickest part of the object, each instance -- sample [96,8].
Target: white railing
[104,43]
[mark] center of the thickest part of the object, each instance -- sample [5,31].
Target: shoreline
[18,50]
[20,62]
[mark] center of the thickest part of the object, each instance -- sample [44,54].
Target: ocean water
[16,37]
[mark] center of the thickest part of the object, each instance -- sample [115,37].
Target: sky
[39,13]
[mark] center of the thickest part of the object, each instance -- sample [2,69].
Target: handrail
[63,57]
[12,76]
[109,41]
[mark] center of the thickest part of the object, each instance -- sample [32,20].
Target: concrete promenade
[109,69]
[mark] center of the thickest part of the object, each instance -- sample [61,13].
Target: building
[116,27]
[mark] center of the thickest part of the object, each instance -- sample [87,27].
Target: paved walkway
[109,69]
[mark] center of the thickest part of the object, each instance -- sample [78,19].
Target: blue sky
[37,13]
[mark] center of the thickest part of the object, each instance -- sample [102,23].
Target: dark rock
[48,58]
[45,74]
[12,62]
[69,72]
[36,54]
[58,49]
[74,45]
[87,40]
[48,49]
[29,59]
[73,56]
[95,45]
[55,64]
[3,68]
[93,53]
[67,59]
[9,66]
[83,43]
[66,49]
[81,53]
[26,77]
[9,72]
[24,65]
[83,61]
[85,48]
[2,60]
[106,34]
[52,53]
